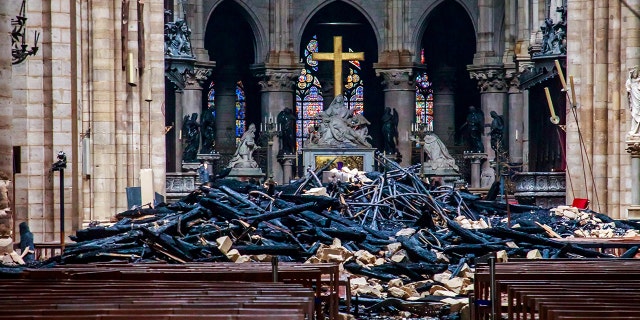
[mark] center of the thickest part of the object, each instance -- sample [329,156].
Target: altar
[353,158]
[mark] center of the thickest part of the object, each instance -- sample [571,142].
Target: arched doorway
[446,49]
[341,19]
[230,42]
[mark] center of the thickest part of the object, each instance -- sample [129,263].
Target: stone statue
[177,39]
[633,92]
[339,128]
[208,131]
[191,136]
[390,130]
[287,121]
[497,129]
[243,157]
[474,126]
[439,157]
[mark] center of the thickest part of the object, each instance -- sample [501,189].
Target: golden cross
[337,56]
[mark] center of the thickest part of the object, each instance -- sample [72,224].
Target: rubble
[406,248]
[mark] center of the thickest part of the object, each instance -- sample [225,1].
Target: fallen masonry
[406,250]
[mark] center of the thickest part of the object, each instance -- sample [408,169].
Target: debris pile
[407,249]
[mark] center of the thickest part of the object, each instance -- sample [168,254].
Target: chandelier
[20,50]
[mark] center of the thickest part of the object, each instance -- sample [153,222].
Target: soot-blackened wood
[76,248]
[345,234]
[416,250]
[506,233]
[399,270]
[630,253]
[278,250]
[221,209]
[322,202]
[358,269]
[466,234]
[241,199]
[285,212]
[477,249]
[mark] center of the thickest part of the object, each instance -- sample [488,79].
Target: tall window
[354,91]
[424,100]
[240,111]
[308,95]
[211,102]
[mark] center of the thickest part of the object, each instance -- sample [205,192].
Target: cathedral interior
[137,91]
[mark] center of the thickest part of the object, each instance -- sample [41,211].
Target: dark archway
[449,40]
[231,43]
[341,19]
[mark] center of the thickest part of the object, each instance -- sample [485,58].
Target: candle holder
[418,133]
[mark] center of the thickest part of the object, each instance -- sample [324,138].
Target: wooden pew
[534,285]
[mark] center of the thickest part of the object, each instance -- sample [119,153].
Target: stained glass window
[424,100]
[354,91]
[240,111]
[308,95]
[211,103]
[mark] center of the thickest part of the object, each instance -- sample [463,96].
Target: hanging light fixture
[20,50]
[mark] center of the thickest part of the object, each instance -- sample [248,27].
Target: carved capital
[512,77]
[197,77]
[489,79]
[399,79]
[276,79]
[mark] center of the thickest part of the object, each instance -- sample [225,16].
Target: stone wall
[600,50]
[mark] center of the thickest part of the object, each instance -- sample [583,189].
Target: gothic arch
[251,17]
[311,11]
[423,21]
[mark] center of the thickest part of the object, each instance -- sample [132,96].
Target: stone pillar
[399,93]
[493,97]
[444,104]
[276,93]
[226,110]
[515,120]
[476,160]
[191,99]
[633,147]
[178,127]
[6,111]
[287,162]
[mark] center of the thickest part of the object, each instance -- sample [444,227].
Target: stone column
[6,111]
[444,104]
[515,120]
[633,147]
[276,93]
[178,127]
[399,93]
[226,110]
[493,97]
[192,93]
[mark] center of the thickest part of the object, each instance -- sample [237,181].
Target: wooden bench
[324,278]
[83,299]
[537,289]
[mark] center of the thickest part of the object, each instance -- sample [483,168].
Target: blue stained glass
[308,97]
[241,108]
[424,100]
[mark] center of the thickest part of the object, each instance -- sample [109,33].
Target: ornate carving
[489,79]
[276,79]
[397,78]
[197,77]
[633,92]
[177,39]
[554,36]
[512,76]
